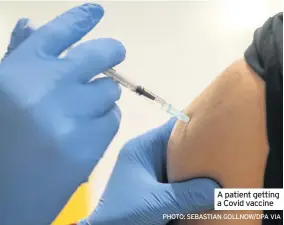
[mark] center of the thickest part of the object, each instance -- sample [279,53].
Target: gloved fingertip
[21,24]
[95,11]
[172,122]
[29,25]
[168,127]
[117,112]
[117,50]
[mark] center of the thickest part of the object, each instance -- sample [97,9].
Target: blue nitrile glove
[54,126]
[20,33]
[137,192]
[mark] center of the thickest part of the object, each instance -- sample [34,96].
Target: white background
[173,48]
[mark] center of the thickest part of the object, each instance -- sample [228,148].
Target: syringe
[149,95]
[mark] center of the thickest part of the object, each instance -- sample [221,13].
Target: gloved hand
[54,125]
[137,192]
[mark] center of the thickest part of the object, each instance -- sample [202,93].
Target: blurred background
[173,48]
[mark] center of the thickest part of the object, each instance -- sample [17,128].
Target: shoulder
[227,127]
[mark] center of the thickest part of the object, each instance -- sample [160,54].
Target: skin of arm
[226,138]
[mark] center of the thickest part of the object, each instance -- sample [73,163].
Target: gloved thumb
[193,196]
[20,33]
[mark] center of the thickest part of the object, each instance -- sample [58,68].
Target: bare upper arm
[226,138]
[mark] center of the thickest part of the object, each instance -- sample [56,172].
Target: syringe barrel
[150,95]
[120,79]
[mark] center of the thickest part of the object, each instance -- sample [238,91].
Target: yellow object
[76,209]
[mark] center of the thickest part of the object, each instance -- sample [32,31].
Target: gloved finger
[102,95]
[151,149]
[94,99]
[163,132]
[193,196]
[20,33]
[94,57]
[157,137]
[94,137]
[59,34]
[105,127]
